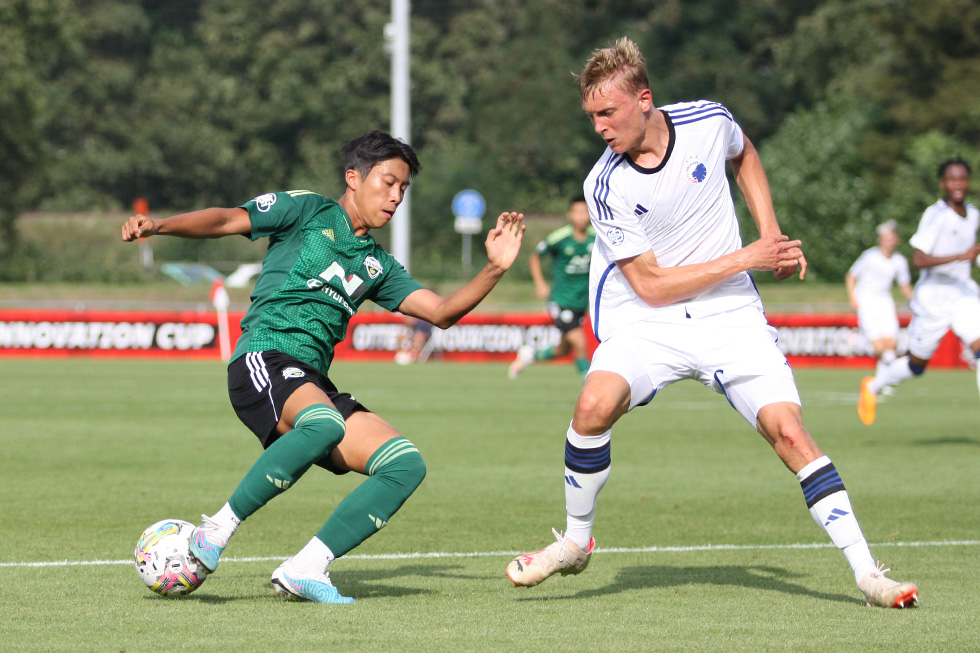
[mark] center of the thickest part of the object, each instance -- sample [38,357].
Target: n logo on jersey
[264,202]
[695,170]
[373,267]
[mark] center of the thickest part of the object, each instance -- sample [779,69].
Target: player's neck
[959,207]
[653,148]
[356,224]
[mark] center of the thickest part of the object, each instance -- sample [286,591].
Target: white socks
[313,558]
[587,465]
[892,374]
[831,508]
[228,522]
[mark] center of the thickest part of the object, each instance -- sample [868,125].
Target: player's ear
[645,98]
[353,179]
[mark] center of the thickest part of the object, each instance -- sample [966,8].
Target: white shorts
[927,329]
[877,318]
[743,362]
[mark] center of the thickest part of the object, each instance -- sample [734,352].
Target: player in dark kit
[321,265]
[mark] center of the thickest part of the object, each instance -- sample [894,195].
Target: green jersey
[315,275]
[570,261]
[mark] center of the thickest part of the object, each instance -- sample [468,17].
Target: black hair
[577,198]
[955,161]
[374,147]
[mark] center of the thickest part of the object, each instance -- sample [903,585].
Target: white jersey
[875,274]
[944,232]
[682,210]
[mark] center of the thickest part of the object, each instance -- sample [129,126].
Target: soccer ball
[163,559]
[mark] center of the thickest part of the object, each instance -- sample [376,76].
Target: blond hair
[621,63]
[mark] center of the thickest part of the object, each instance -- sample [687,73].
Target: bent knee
[400,462]
[600,405]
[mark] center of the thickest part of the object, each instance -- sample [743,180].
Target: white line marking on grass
[487,554]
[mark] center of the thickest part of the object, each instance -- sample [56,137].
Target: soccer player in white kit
[869,290]
[671,299]
[946,297]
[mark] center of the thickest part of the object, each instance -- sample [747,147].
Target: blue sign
[469,204]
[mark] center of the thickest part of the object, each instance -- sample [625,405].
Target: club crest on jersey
[695,170]
[264,202]
[293,373]
[373,267]
[616,236]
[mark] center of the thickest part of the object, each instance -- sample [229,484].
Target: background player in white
[869,291]
[672,299]
[946,297]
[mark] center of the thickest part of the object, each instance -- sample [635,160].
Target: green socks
[317,430]
[394,471]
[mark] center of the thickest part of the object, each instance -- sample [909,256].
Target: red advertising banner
[817,339]
[37,332]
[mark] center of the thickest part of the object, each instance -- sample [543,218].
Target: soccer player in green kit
[321,265]
[570,248]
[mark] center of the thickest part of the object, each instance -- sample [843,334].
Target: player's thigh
[966,320]
[747,367]
[302,398]
[647,364]
[926,331]
[366,433]
[878,320]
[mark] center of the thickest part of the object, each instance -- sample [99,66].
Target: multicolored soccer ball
[164,562]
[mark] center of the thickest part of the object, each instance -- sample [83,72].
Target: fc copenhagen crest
[695,171]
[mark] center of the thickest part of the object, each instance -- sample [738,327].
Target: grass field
[705,543]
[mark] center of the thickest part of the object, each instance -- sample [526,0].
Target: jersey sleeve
[926,236]
[542,248]
[904,276]
[272,213]
[735,140]
[397,285]
[858,265]
[617,229]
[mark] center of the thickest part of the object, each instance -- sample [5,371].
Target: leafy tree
[37,43]
[819,191]
[915,182]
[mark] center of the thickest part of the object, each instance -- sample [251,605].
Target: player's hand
[504,240]
[542,290]
[972,254]
[787,271]
[138,226]
[776,253]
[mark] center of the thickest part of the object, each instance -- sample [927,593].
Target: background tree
[37,45]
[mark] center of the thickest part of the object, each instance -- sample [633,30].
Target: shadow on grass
[952,439]
[773,579]
[359,583]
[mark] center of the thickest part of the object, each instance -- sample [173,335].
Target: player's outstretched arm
[659,286]
[922,260]
[206,223]
[503,244]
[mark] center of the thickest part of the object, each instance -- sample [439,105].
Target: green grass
[512,293]
[95,450]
